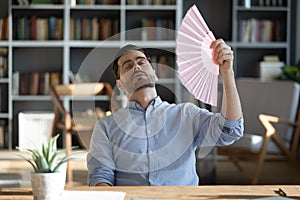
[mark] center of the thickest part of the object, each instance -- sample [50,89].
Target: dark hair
[122,51]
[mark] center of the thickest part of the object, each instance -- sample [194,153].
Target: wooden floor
[15,172]
[274,172]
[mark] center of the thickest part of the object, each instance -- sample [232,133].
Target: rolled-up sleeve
[232,131]
[212,129]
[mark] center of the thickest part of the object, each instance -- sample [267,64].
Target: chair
[272,122]
[65,122]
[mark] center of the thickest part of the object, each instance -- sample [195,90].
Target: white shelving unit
[85,56]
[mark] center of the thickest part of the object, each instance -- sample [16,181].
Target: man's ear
[119,85]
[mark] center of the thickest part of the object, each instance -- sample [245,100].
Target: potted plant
[49,175]
[291,72]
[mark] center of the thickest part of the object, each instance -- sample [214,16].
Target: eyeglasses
[129,64]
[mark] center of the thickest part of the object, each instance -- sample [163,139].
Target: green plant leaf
[28,160]
[48,159]
[291,73]
[52,143]
[45,151]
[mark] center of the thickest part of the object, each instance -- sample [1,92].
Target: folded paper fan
[197,70]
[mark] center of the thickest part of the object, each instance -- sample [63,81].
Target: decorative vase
[48,186]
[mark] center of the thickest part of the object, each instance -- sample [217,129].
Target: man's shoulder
[105,120]
[184,106]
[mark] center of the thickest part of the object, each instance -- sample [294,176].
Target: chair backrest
[56,100]
[276,97]
[59,110]
[80,123]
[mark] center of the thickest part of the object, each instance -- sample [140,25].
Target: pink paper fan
[197,70]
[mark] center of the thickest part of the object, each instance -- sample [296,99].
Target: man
[152,142]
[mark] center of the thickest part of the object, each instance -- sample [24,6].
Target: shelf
[117,44]
[150,7]
[261,45]
[39,7]
[92,43]
[88,98]
[166,81]
[4,115]
[263,8]
[37,43]
[153,44]
[31,98]
[3,43]
[4,80]
[96,7]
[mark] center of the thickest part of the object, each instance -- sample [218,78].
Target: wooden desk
[172,192]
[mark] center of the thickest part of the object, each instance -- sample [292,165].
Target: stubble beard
[138,83]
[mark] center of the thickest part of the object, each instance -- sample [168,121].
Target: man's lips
[137,74]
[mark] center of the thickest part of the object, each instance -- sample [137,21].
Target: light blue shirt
[156,146]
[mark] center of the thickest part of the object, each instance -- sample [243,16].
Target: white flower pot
[48,186]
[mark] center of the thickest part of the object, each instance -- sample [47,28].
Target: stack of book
[93,28]
[163,65]
[38,28]
[257,30]
[270,67]
[161,29]
[35,83]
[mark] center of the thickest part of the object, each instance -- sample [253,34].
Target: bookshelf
[89,53]
[50,43]
[249,50]
[269,33]
[4,75]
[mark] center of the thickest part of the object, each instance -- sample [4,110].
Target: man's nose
[136,66]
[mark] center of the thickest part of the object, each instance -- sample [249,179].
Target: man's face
[135,72]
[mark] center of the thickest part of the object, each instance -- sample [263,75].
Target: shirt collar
[134,105]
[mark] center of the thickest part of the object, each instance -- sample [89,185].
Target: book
[4,29]
[42,1]
[271,58]
[72,29]
[269,70]
[2,133]
[58,29]
[42,29]
[3,66]
[261,30]
[16,83]
[105,28]
[34,83]
[95,29]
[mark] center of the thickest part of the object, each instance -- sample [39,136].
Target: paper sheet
[93,195]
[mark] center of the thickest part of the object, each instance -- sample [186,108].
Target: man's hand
[103,184]
[223,55]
